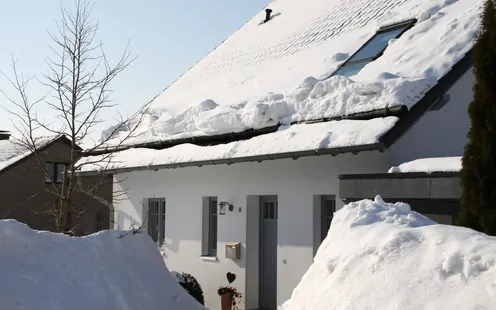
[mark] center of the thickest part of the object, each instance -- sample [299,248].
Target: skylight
[372,49]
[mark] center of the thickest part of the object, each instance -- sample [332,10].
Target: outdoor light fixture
[222,207]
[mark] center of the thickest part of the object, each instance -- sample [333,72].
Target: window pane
[328,208]
[213,234]
[153,223]
[48,174]
[162,207]
[212,227]
[213,206]
[162,230]
[59,172]
[377,44]
[350,70]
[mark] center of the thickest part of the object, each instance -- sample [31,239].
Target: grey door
[268,252]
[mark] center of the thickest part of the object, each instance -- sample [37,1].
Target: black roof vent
[4,135]
[267,15]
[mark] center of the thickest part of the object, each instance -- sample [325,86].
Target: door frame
[266,198]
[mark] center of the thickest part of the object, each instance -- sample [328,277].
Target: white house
[305,106]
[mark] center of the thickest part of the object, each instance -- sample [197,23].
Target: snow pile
[434,164]
[296,138]
[313,99]
[384,256]
[279,71]
[47,271]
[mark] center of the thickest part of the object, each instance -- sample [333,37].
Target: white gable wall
[295,182]
[439,133]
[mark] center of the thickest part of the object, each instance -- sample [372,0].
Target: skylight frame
[348,63]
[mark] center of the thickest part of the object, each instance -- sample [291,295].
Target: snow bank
[296,138]
[47,271]
[279,71]
[434,164]
[384,256]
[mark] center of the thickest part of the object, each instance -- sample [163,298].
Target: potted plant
[229,296]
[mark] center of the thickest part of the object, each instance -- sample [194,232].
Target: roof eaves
[257,158]
[402,175]
[55,139]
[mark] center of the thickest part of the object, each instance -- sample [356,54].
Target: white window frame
[156,219]
[209,226]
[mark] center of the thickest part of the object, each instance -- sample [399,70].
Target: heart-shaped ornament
[230,277]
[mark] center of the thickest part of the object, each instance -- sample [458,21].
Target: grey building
[26,193]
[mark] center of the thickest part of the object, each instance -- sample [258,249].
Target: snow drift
[384,256]
[47,271]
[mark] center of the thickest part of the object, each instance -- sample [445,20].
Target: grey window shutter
[205,213]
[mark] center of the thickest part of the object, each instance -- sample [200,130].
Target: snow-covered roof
[12,151]
[434,164]
[280,73]
[291,139]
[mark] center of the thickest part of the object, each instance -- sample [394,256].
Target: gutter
[397,111]
[258,158]
[400,175]
[407,118]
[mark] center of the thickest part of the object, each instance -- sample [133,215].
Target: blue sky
[168,36]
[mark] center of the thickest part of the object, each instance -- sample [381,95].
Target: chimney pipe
[267,15]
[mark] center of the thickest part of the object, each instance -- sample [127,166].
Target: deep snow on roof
[296,138]
[11,151]
[433,164]
[277,71]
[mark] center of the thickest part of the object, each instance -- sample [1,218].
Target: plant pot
[226,301]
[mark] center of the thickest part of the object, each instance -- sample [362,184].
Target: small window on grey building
[328,207]
[48,173]
[156,220]
[209,226]
[60,169]
[54,172]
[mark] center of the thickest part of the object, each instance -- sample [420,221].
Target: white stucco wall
[438,133]
[295,182]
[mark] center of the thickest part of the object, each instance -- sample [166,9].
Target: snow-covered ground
[47,271]
[433,164]
[384,256]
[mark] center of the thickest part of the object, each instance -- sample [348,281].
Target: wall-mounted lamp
[222,207]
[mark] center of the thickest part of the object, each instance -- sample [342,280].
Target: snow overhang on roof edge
[401,127]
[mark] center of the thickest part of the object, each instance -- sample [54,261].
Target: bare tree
[78,91]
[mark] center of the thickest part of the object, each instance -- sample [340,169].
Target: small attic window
[372,49]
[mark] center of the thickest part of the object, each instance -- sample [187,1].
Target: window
[98,221]
[328,207]
[156,220]
[55,171]
[372,49]
[209,237]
